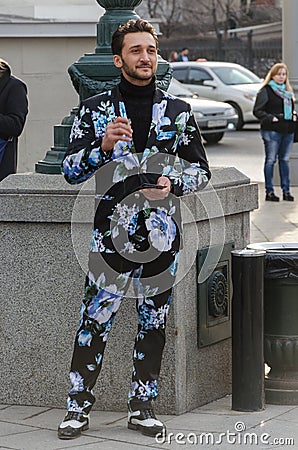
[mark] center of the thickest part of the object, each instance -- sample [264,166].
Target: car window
[198,76]
[233,75]
[180,73]
[179,90]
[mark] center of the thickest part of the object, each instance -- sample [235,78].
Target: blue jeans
[277,145]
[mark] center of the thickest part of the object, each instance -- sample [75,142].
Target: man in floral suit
[130,138]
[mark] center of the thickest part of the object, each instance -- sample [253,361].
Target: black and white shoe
[72,425]
[141,418]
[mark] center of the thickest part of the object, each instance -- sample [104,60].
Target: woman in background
[173,56]
[274,107]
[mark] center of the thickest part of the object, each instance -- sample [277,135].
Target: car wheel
[213,138]
[240,122]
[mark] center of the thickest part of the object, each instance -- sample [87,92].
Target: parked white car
[222,81]
[214,118]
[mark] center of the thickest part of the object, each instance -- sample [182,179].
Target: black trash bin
[280,321]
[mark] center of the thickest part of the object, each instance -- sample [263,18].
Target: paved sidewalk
[211,426]
[276,222]
[34,428]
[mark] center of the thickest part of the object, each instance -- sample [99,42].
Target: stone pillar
[289,51]
[42,220]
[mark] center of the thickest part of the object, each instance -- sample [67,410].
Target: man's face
[138,60]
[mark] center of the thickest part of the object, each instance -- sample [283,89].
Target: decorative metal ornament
[95,72]
[119,4]
[217,294]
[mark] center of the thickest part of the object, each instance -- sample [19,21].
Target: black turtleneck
[138,103]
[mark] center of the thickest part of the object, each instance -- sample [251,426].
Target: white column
[289,51]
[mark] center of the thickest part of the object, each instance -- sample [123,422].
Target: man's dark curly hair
[132,26]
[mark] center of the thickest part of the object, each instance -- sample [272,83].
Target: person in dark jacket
[13,113]
[129,138]
[274,107]
[183,55]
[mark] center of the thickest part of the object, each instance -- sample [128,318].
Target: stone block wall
[42,288]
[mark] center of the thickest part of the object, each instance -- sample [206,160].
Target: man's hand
[158,194]
[118,130]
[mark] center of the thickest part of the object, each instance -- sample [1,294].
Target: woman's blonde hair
[274,71]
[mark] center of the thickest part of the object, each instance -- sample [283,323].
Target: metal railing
[257,55]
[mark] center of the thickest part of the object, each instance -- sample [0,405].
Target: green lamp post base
[51,164]
[94,73]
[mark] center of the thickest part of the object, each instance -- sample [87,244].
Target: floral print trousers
[106,284]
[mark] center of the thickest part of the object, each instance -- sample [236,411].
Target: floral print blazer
[174,149]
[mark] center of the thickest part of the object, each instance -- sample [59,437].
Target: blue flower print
[77,129]
[96,244]
[82,310]
[93,367]
[102,117]
[159,120]
[158,112]
[174,266]
[146,154]
[95,157]
[126,160]
[72,165]
[184,139]
[181,121]
[193,177]
[144,293]
[77,382]
[106,327]
[98,358]
[122,109]
[126,216]
[164,135]
[162,229]
[138,356]
[150,319]
[105,303]
[84,338]
[129,247]
[72,405]
[143,391]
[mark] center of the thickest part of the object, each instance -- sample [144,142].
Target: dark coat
[13,112]
[269,105]
[120,174]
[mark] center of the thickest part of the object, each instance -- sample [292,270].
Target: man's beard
[133,73]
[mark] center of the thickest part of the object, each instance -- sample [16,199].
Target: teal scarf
[280,90]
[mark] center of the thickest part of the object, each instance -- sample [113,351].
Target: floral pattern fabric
[132,238]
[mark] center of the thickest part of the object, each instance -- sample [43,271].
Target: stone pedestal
[42,288]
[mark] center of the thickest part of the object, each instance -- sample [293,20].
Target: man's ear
[117,61]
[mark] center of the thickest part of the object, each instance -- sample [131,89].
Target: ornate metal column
[94,73]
